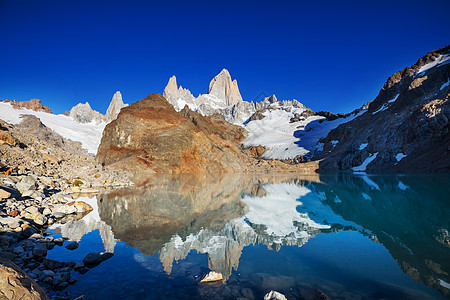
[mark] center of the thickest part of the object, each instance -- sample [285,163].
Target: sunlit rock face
[223,98]
[83,113]
[149,134]
[225,89]
[114,107]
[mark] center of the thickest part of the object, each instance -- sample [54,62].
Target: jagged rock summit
[223,88]
[178,96]
[114,107]
[83,113]
[223,97]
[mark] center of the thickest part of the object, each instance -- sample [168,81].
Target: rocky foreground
[41,175]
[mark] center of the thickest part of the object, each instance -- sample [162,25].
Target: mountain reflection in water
[220,215]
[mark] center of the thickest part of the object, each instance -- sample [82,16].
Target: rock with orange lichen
[33,104]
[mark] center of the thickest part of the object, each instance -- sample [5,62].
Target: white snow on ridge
[367,161]
[276,133]
[384,107]
[440,60]
[444,283]
[365,196]
[89,134]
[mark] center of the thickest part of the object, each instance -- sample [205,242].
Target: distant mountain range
[404,129]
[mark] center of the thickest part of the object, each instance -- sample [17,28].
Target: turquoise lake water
[346,236]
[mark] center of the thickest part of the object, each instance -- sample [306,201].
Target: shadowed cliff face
[150,134]
[404,130]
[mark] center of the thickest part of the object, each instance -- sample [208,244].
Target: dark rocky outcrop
[406,126]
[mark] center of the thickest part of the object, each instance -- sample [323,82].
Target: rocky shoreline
[41,175]
[28,206]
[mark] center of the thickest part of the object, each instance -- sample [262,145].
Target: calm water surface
[347,236]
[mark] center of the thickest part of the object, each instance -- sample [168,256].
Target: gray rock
[40,220]
[58,215]
[18,250]
[52,264]
[32,210]
[247,293]
[26,183]
[40,250]
[47,273]
[10,222]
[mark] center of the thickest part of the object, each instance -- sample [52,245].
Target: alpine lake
[343,236]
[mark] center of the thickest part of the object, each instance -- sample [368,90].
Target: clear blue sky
[330,55]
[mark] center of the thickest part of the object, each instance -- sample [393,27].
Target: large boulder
[16,284]
[27,183]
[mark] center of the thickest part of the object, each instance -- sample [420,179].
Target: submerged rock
[72,246]
[95,258]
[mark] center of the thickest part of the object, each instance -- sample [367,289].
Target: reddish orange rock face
[150,134]
[33,104]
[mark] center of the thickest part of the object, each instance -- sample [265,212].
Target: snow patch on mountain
[439,61]
[363,146]
[89,134]
[445,85]
[367,161]
[400,156]
[284,139]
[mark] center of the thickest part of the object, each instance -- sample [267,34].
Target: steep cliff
[406,127]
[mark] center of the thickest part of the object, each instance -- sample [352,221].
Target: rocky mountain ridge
[83,113]
[405,128]
[223,97]
[33,104]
